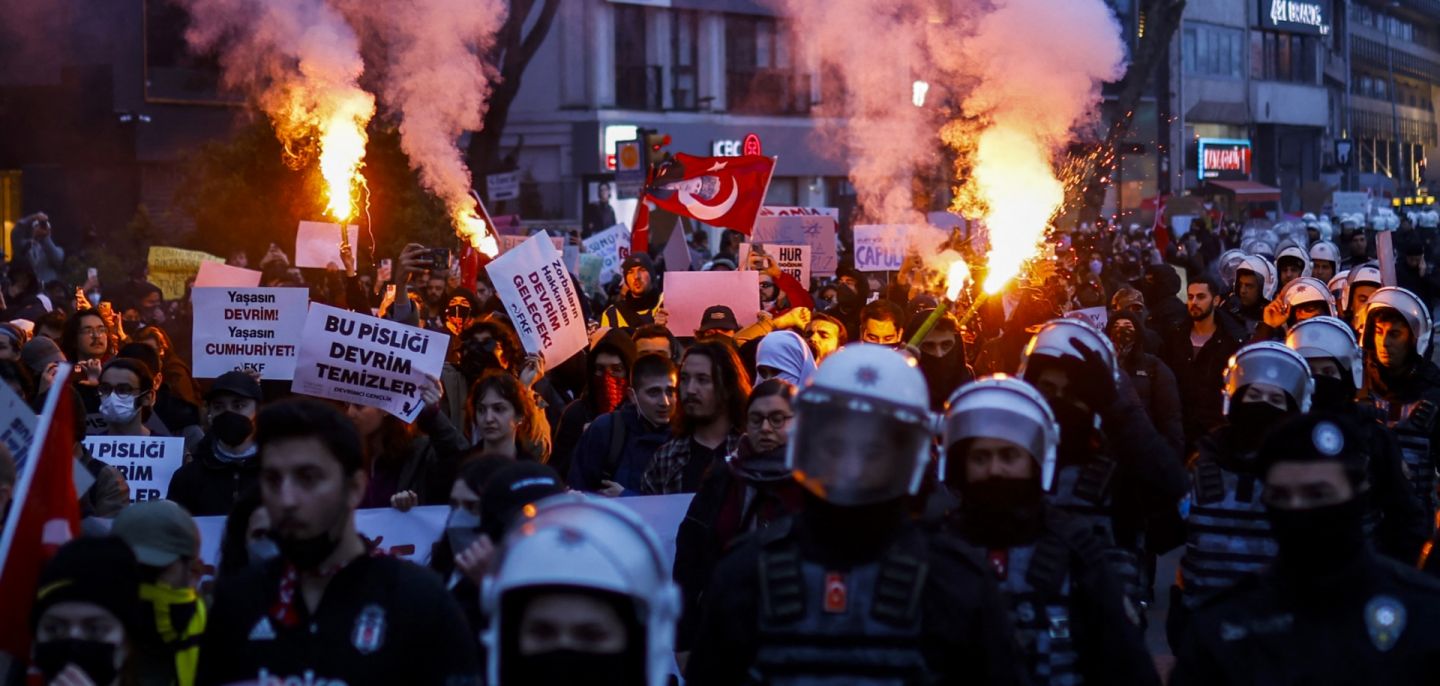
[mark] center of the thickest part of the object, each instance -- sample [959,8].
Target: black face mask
[1077,425]
[564,667]
[1332,395]
[1319,539]
[476,357]
[944,374]
[1002,512]
[95,658]
[232,428]
[1250,421]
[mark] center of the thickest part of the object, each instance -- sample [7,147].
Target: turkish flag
[44,515]
[719,191]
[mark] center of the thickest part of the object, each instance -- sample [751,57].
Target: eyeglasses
[775,419]
[94,331]
[123,389]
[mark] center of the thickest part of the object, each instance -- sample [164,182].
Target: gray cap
[39,353]
[159,531]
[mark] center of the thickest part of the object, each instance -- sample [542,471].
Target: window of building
[637,83]
[685,59]
[1277,56]
[1213,51]
[760,77]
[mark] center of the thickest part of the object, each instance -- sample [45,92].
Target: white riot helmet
[865,403]
[1328,337]
[1229,261]
[1297,253]
[1261,267]
[1055,339]
[1325,251]
[1307,289]
[1270,363]
[1364,275]
[1408,305]
[1427,219]
[1327,230]
[1339,285]
[580,543]
[1004,408]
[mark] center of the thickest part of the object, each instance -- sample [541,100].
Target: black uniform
[381,620]
[1074,624]
[783,609]
[1373,622]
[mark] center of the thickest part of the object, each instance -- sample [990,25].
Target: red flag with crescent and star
[719,191]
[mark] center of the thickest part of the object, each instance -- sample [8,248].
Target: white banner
[880,247]
[1096,316]
[17,423]
[1351,202]
[356,358]
[146,462]
[219,274]
[248,329]
[791,259]
[816,231]
[317,244]
[612,246]
[532,282]
[503,186]
[409,535]
[781,211]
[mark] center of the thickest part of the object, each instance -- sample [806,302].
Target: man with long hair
[713,390]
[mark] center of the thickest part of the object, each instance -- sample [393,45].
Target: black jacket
[1284,629]
[1200,378]
[207,485]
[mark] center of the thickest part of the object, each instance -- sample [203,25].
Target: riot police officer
[1395,516]
[580,593]
[851,590]
[1227,536]
[1329,610]
[1113,469]
[1401,383]
[1074,624]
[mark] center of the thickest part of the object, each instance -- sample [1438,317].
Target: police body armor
[822,626]
[1037,583]
[1228,534]
[1085,491]
[1413,424]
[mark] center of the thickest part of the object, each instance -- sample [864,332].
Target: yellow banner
[171,268]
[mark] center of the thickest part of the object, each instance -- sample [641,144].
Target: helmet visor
[854,456]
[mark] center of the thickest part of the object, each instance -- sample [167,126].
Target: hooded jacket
[580,412]
[787,352]
[1155,384]
[641,440]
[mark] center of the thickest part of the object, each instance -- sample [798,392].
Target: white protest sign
[880,247]
[410,535]
[508,243]
[248,329]
[502,186]
[791,259]
[1095,316]
[356,358]
[537,292]
[317,244]
[688,294]
[780,211]
[613,246]
[17,423]
[146,462]
[221,275]
[816,231]
[1350,202]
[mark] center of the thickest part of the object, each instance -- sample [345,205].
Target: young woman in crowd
[409,464]
[503,419]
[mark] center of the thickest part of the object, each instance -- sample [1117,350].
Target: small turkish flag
[720,191]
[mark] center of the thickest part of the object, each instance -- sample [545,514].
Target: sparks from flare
[1014,177]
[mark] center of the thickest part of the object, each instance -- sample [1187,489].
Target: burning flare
[342,152]
[1014,177]
[956,280]
[474,229]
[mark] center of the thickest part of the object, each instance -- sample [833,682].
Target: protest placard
[1350,202]
[504,186]
[17,423]
[613,246]
[248,329]
[783,211]
[170,268]
[221,275]
[356,358]
[146,462]
[1097,317]
[816,231]
[537,292]
[880,247]
[791,259]
[317,244]
[688,294]
[508,243]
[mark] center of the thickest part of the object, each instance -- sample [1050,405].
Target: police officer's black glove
[1097,383]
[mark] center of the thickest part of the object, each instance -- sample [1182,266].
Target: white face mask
[118,409]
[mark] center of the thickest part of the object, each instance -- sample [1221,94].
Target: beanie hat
[99,570]
[39,353]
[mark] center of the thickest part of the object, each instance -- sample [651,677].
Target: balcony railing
[768,91]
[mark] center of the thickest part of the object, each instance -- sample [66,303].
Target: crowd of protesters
[983,503]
